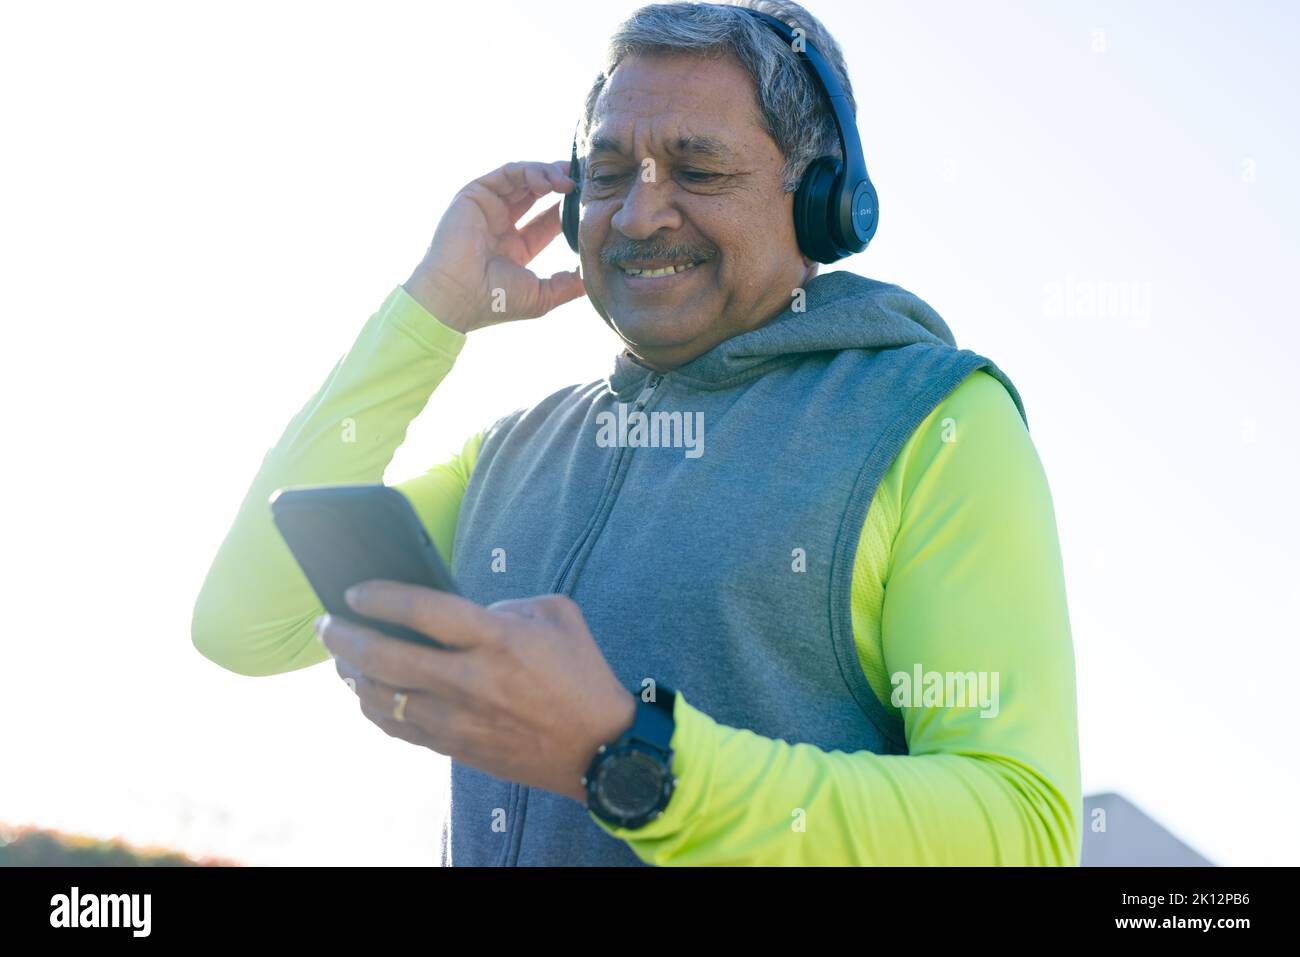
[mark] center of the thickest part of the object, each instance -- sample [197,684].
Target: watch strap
[654,724]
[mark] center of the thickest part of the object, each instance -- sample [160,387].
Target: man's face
[680,172]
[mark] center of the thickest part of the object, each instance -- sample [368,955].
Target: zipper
[519,793]
[652,383]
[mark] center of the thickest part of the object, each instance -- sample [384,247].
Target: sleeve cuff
[402,311]
[694,742]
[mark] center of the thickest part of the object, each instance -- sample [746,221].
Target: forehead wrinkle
[690,144]
[681,90]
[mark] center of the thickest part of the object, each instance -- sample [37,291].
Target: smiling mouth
[656,270]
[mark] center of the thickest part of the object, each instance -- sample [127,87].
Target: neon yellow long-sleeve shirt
[959,550]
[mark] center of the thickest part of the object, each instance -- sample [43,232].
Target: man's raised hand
[475,273]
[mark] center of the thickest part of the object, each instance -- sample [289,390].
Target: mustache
[618,253]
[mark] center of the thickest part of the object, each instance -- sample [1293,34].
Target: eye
[603,179]
[699,176]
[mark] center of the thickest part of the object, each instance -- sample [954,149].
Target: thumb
[555,291]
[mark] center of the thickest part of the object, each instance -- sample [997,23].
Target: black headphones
[835,207]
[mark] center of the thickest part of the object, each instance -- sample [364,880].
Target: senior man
[853,576]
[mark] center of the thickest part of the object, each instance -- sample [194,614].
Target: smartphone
[345,534]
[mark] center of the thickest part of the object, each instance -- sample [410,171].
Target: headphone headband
[846,127]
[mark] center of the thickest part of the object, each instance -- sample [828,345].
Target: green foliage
[31,846]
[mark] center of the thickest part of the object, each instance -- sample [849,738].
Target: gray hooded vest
[706,521]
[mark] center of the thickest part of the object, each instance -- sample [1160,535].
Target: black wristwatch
[630,781]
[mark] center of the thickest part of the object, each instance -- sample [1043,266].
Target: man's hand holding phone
[519,690]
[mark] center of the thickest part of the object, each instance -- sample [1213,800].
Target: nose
[646,209]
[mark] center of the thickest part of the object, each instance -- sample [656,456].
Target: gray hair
[787,94]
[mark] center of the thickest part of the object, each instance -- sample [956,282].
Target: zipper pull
[651,384]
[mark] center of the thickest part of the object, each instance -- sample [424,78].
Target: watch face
[629,784]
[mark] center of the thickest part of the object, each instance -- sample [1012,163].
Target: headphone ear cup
[858,225]
[569,212]
[812,210]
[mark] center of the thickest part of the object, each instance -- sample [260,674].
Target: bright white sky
[201,203]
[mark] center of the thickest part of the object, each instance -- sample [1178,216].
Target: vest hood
[842,310]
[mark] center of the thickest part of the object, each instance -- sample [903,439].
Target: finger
[554,291]
[426,720]
[381,716]
[427,712]
[538,179]
[541,180]
[513,181]
[524,607]
[557,173]
[501,214]
[562,181]
[539,231]
[500,217]
[520,201]
[550,608]
[348,672]
[517,206]
[448,618]
[402,664]
[424,713]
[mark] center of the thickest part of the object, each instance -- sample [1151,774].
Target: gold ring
[399,705]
